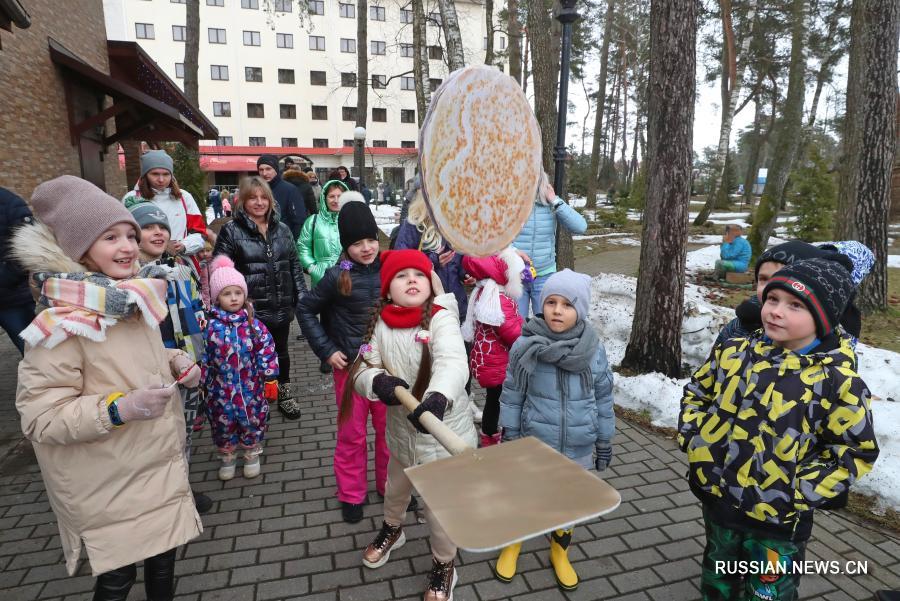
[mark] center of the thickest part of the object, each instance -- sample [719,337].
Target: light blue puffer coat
[538,236]
[572,427]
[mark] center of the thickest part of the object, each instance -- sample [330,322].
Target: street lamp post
[567,15]
[359,153]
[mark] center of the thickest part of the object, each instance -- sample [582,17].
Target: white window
[257,141]
[379,143]
[253,74]
[284,40]
[502,43]
[435,17]
[377,47]
[317,42]
[379,82]
[218,72]
[179,33]
[377,13]
[251,38]
[252,4]
[289,142]
[316,7]
[179,70]
[406,50]
[144,31]
[348,45]
[347,11]
[407,83]
[178,1]
[215,2]
[216,36]
[221,109]
[283,6]
[224,140]
[406,15]
[320,142]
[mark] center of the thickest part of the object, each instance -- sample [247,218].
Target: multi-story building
[282,73]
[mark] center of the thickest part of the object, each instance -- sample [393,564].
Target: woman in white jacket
[157,185]
[414,338]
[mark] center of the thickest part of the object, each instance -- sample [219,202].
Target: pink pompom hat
[223,274]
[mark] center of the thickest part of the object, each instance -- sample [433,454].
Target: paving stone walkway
[281,536]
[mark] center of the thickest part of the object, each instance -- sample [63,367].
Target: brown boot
[441,581]
[388,539]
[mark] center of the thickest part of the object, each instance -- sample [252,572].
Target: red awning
[228,163]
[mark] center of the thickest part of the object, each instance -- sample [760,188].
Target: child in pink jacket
[492,324]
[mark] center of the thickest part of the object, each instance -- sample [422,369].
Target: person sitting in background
[735,252]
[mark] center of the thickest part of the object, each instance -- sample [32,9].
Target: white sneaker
[226,471]
[251,462]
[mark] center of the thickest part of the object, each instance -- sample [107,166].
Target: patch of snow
[625,241]
[612,311]
[610,235]
[893,261]
[705,239]
[703,258]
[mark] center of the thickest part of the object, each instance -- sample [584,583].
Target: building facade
[281,74]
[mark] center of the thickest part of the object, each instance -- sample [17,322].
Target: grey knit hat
[147,213]
[78,212]
[573,286]
[156,159]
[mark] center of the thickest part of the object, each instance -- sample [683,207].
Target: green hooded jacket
[319,243]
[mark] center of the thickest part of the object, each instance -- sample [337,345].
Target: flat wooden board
[488,498]
[480,159]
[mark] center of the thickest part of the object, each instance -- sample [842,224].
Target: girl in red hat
[414,341]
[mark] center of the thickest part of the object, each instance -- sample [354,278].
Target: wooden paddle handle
[449,439]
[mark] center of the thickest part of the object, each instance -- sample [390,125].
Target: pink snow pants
[351,454]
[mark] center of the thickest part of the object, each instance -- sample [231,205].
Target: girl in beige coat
[96,392]
[414,342]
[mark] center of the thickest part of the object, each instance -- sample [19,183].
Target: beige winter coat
[396,351]
[123,491]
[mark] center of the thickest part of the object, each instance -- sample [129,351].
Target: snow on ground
[612,311]
[894,261]
[609,235]
[625,241]
[705,258]
[705,239]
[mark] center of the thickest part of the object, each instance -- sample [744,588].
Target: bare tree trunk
[614,124]
[594,174]
[633,165]
[420,60]
[514,35]
[753,159]
[450,25]
[732,81]
[624,175]
[876,159]
[845,223]
[789,135]
[655,342]
[526,70]
[192,52]
[489,27]
[827,64]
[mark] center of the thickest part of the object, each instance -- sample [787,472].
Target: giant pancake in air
[480,159]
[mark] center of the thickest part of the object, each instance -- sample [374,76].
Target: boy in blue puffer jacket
[558,388]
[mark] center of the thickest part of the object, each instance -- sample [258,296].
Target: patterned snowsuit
[240,357]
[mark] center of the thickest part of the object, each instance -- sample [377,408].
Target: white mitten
[144,403]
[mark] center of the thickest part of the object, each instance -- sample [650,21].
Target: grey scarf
[571,351]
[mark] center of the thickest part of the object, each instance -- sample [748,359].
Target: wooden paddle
[486,499]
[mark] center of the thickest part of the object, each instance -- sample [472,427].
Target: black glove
[435,403]
[383,386]
[603,455]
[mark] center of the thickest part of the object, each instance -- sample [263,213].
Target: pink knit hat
[223,274]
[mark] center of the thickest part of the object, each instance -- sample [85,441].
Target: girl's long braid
[344,283]
[346,408]
[424,375]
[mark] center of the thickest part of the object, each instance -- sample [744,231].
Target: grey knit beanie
[147,213]
[573,286]
[156,159]
[78,212]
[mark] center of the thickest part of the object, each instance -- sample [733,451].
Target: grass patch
[882,329]
[861,507]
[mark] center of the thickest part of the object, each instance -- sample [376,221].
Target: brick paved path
[281,536]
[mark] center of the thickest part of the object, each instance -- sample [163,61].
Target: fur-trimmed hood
[504,268]
[35,247]
[295,176]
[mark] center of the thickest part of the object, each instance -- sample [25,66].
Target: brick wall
[34,126]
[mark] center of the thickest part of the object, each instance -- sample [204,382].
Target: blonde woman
[263,250]
[419,233]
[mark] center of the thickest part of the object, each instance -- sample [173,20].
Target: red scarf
[399,317]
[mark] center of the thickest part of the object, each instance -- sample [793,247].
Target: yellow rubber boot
[566,578]
[506,563]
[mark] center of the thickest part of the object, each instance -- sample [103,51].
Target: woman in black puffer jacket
[263,250]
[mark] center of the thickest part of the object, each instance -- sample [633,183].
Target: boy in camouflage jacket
[776,425]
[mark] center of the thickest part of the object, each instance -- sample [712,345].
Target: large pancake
[480,159]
